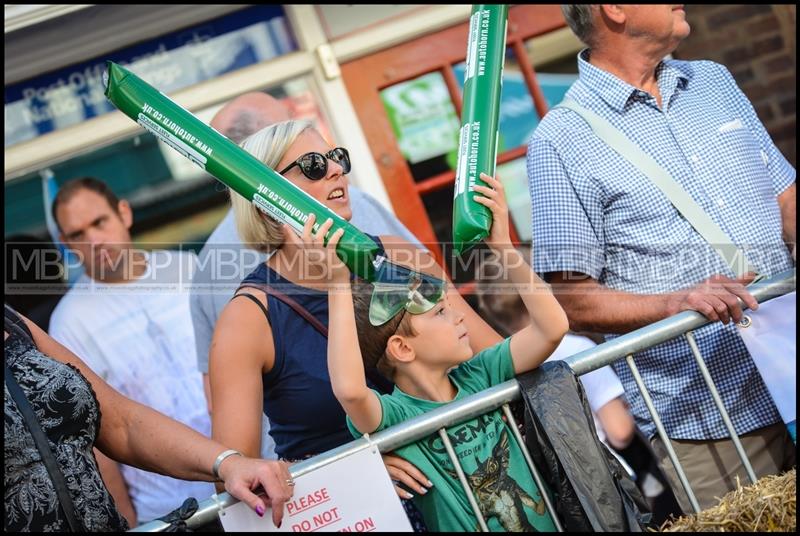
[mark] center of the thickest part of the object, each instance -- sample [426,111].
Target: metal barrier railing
[500,395]
[662,331]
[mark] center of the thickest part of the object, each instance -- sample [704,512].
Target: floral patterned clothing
[69,415]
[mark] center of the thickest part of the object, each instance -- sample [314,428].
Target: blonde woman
[265,355]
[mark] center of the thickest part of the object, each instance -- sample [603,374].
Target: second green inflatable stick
[483,82]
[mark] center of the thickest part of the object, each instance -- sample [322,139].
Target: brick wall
[758,45]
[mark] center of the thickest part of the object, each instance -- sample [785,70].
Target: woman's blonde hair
[256,230]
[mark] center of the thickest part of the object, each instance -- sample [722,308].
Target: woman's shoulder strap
[299,309]
[253,299]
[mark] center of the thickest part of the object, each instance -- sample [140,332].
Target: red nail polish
[279,524]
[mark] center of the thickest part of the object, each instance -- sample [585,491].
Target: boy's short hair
[373,339]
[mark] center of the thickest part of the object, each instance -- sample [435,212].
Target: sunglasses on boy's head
[398,288]
[315,165]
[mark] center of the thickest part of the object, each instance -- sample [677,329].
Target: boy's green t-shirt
[493,463]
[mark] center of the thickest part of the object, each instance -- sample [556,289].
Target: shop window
[518,118]
[431,69]
[425,124]
[170,62]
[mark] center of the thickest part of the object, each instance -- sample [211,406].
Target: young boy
[428,357]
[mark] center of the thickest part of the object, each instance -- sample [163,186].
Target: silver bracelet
[220,459]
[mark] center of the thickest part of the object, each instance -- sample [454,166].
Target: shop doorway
[408,100]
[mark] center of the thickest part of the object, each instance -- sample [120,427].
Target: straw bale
[769,505]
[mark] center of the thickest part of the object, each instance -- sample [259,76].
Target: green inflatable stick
[483,82]
[396,287]
[235,167]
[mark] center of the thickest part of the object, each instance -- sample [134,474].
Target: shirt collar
[616,93]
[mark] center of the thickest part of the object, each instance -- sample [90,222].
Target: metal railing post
[512,423]
[463,479]
[698,357]
[662,433]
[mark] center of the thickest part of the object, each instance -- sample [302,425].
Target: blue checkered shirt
[594,213]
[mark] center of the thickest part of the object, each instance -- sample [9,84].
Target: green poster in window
[423,117]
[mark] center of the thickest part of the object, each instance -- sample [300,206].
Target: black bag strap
[255,300]
[39,437]
[43,445]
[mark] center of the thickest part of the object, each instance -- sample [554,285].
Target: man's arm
[605,394]
[787,202]
[112,477]
[591,306]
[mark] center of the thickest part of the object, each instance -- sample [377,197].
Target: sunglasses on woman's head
[315,165]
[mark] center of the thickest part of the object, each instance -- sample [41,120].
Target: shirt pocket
[735,158]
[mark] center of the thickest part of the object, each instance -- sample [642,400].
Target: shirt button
[720,203]
[694,158]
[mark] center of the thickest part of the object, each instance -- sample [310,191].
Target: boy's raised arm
[548,322]
[345,364]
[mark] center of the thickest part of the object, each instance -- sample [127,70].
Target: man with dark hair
[128,318]
[91,184]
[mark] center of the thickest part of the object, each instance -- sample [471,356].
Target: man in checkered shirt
[620,256]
